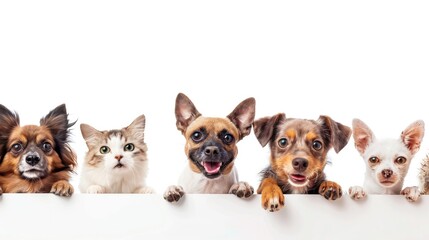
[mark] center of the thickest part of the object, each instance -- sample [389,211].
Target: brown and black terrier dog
[298,157]
[36,159]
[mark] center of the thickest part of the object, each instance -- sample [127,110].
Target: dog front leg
[174,193]
[272,196]
[330,190]
[412,194]
[357,192]
[62,188]
[241,190]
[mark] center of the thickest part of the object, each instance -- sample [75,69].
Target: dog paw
[356,193]
[1,191]
[241,190]
[330,190]
[145,190]
[273,200]
[412,194]
[62,188]
[95,189]
[174,193]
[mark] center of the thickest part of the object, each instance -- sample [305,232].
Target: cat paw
[273,200]
[330,190]
[145,190]
[62,188]
[174,193]
[356,193]
[95,189]
[412,194]
[241,190]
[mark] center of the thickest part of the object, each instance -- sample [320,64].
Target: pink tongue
[212,167]
[298,177]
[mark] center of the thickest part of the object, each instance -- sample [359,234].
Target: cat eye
[374,160]
[317,145]
[283,142]
[197,136]
[16,148]
[104,150]
[129,147]
[227,138]
[400,160]
[46,147]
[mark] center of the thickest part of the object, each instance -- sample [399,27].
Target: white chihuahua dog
[387,161]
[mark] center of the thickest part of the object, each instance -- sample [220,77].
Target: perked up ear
[137,127]
[264,128]
[362,135]
[8,121]
[243,116]
[185,111]
[337,134]
[90,134]
[412,136]
[57,122]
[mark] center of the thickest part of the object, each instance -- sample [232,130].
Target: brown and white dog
[298,157]
[211,149]
[36,159]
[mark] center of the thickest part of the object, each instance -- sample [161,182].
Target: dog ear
[137,127]
[57,122]
[90,134]
[8,121]
[335,133]
[185,111]
[264,128]
[362,135]
[243,116]
[412,136]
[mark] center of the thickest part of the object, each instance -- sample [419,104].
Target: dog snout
[32,159]
[387,173]
[300,164]
[211,151]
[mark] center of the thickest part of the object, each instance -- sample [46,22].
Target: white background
[111,61]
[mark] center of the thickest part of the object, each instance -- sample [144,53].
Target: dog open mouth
[212,167]
[298,179]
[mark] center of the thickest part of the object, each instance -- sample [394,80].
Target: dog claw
[241,189]
[174,193]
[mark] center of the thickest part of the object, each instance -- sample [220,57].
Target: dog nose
[387,173]
[32,159]
[211,151]
[300,164]
[119,157]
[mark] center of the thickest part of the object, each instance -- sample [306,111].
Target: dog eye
[16,148]
[129,147]
[197,136]
[104,150]
[46,147]
[400,160]
[374,160]
[317,145]
[282,142]
[227,138]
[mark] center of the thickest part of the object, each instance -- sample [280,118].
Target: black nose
[32,159]
[211,151]
[387,173]
[300,164]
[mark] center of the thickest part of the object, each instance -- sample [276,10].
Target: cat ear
[137,127]
[90,134]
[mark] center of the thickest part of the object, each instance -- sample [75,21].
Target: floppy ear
[8,121]
[412,136]
[265,128]
[243,116]
[136,128]
[362,135]
[57,122]
[90,134]
[185,111]
[335,133]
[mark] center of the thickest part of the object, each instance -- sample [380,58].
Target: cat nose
[119,157]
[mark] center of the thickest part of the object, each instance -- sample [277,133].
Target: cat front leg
[95,189]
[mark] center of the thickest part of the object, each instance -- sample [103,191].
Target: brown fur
[424,176]
[300,135]
[61,160]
